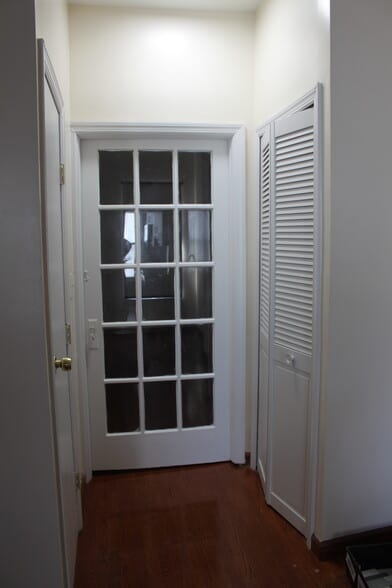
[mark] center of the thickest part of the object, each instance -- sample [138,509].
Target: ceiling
[210,5]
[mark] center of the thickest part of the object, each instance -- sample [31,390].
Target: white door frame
[313,97]
[235,136]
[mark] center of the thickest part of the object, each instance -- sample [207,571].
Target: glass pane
[156,183]
[122,408]
[158,293]
[160,405]
[120,353]
[195,178]
[196,349]
[116,177]
[156,234]
[196,292]
[197,403]
[118,295]
[195,227]
[117,236]
[159,351]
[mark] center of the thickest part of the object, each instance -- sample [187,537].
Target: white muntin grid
[176,264]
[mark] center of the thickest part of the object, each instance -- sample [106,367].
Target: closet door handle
[290,359]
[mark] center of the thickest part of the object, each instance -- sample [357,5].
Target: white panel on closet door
[264,297]
[294,238]
[265,232]
[292,314]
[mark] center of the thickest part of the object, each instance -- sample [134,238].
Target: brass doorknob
[65,363]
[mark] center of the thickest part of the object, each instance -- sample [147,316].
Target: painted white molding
[300,104]
[255,344]
[161,130]
[313,98]
[236,137]
[237,186]
[318,307]
[79,306]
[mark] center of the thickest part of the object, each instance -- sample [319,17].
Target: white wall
[30,552]
[292,54]
[148,66]
[52,26]
[357,468]
[132,65]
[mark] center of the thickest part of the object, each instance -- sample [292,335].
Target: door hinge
[62,174]
[68,333]
[79,481]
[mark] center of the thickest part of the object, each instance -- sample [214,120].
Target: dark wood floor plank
[192,527]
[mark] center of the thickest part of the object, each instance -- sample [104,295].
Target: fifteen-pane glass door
[157,300]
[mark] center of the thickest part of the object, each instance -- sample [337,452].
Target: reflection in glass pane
[160,405]
[116,177]
[196,292]
[195,227]
[120,353]
[159,351]
[195,178]
[156,234]
[156,183]
[197,403]
[117,236]
[118,296]
[196,349]
[158,293]
[122,408]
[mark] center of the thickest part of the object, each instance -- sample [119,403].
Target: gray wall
[30,552]
[356,473]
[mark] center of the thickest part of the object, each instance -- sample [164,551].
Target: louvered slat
[265,237]
[294,240]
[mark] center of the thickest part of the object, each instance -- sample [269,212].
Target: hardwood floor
[195,527]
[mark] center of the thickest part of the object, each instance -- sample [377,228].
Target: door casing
[235,136]
[313,98]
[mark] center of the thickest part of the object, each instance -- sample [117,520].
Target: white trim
[262,473]
[155,206]
[317,316]
[171,378]
[164,130]
[80,333]
[313,97]
[235,134]
[237,218]
[290,513]
[299,104]
[158,323]
[156,264]
[255,344]
[271,375]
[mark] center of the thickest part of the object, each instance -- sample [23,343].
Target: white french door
[157,299]
[288,298]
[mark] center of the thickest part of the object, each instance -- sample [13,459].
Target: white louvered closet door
[291,315]
[265,262]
